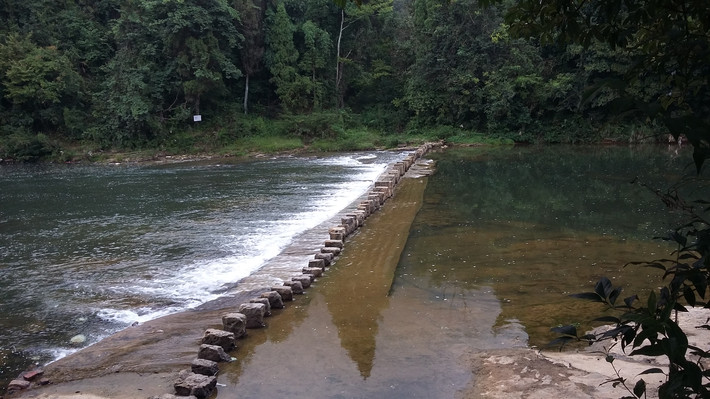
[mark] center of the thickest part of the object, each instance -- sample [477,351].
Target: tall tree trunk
[339,64]
[316,106]
[246,94]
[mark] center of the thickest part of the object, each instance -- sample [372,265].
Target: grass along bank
[331,131]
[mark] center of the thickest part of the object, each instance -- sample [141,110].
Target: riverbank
[582,373]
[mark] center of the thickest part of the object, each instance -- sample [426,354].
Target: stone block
[349,223]
[386,192]
[296,286]
[327,258]
[254,313]
[285,292]
[359,216]
[214,353]
[18,385]
[222,338]
[236,323]
[267,305]
[401,167]
[337,233]
[331,250]
[334,243]
[317,263]
[304,279]
[310,276]
[33,374]
[198,385]
[378,196]
[275,300]
[204,367]
[365,208]
[314,271]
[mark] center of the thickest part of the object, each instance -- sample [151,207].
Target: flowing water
[86,250]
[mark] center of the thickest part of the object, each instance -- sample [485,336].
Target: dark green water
[537,224]
[87,250]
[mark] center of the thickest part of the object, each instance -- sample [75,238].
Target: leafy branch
[651,328]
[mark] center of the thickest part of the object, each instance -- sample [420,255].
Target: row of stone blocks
[201,379]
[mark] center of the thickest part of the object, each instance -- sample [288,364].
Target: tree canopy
[133,73]
[667,43]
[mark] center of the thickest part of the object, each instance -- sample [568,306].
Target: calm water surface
[501,238]
[533,225]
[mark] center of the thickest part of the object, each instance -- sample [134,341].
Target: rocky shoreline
[581,373]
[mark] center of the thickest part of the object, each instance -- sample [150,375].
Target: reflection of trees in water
[536,225]
[580,188]
[359,288]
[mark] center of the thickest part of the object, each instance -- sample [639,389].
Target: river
[500,237]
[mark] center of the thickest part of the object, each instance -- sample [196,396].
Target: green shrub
[356,139]
[263,144]
[26,147]
[472,138]
[318,125]
[385,118]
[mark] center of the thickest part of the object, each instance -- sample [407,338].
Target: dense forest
[91,75]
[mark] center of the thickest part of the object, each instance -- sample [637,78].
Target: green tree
[358,31]
[666,41]
[77,36]
[462,74]
[201,36]
[36,82]
[282,59]
[314,60]
[253,14]
[170,56]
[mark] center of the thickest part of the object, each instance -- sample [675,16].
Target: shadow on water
[333,330]
[358,294]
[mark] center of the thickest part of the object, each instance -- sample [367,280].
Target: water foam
[200,281]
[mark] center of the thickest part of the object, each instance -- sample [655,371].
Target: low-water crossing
[499,240]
